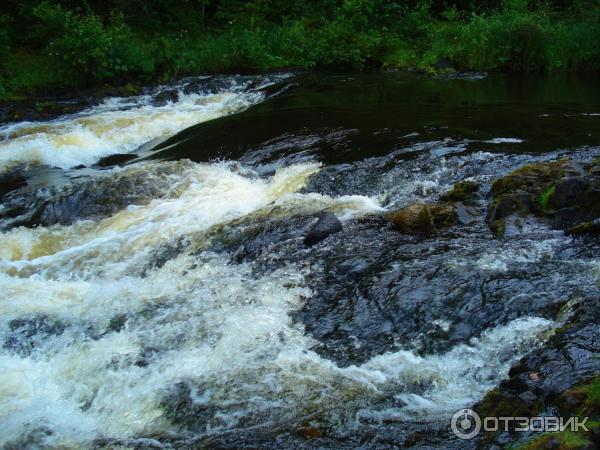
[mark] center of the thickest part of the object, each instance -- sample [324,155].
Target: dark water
[206,310]
[342,119]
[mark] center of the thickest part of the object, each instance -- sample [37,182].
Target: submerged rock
[563,193]
[28,332]
[327,224]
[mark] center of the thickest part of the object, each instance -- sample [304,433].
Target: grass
[567,440]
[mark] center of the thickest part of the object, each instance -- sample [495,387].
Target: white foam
[116,126]
[501,140]
[217,326]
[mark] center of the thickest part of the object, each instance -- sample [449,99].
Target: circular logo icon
[465,423]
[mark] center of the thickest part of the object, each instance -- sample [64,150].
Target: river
[169,301]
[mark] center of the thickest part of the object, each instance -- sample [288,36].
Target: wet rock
[566,372]
[375,289]
[308,431]
[116,159]
[31,110]
[569,191]
[28,332]
[424,218]
[463,191]
[63,200]
[117,323]
[592,227]
[416,218]
[181,406]
[563,193]
[327,225]
[50,107]
[34,436]
[134,444]
[146,356]
[215,84]
[166,96]
[12,180]
[466,214]
[55,108]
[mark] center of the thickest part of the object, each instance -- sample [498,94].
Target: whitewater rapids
[117,329]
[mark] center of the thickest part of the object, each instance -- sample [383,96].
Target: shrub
[95,50]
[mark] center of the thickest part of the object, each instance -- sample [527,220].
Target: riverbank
[46,48]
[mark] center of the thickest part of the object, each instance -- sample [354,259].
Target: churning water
[121,125]
[191,314]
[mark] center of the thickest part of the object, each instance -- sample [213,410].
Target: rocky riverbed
[324,262]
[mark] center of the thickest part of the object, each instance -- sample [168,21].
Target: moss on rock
[563,193]
[564,440]
[498,404]
[415,218]
[424,218]
[463,191]
[582,400]
[534,177]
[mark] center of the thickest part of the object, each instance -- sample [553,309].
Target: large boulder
[563,193]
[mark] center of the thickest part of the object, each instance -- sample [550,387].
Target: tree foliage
[46,43]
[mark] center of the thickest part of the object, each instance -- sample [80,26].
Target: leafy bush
[26,73]
[44,43]
[95,50]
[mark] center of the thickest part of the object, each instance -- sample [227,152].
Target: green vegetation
[582,401]
[45,44]
[545,197]
[564,440]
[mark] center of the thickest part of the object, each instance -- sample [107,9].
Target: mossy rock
[415,218]
[499,404]
[562,193]
[564,440]
[582,400]
[532,177]
[424,218]
[463,191]
[55,108]
[444,215]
